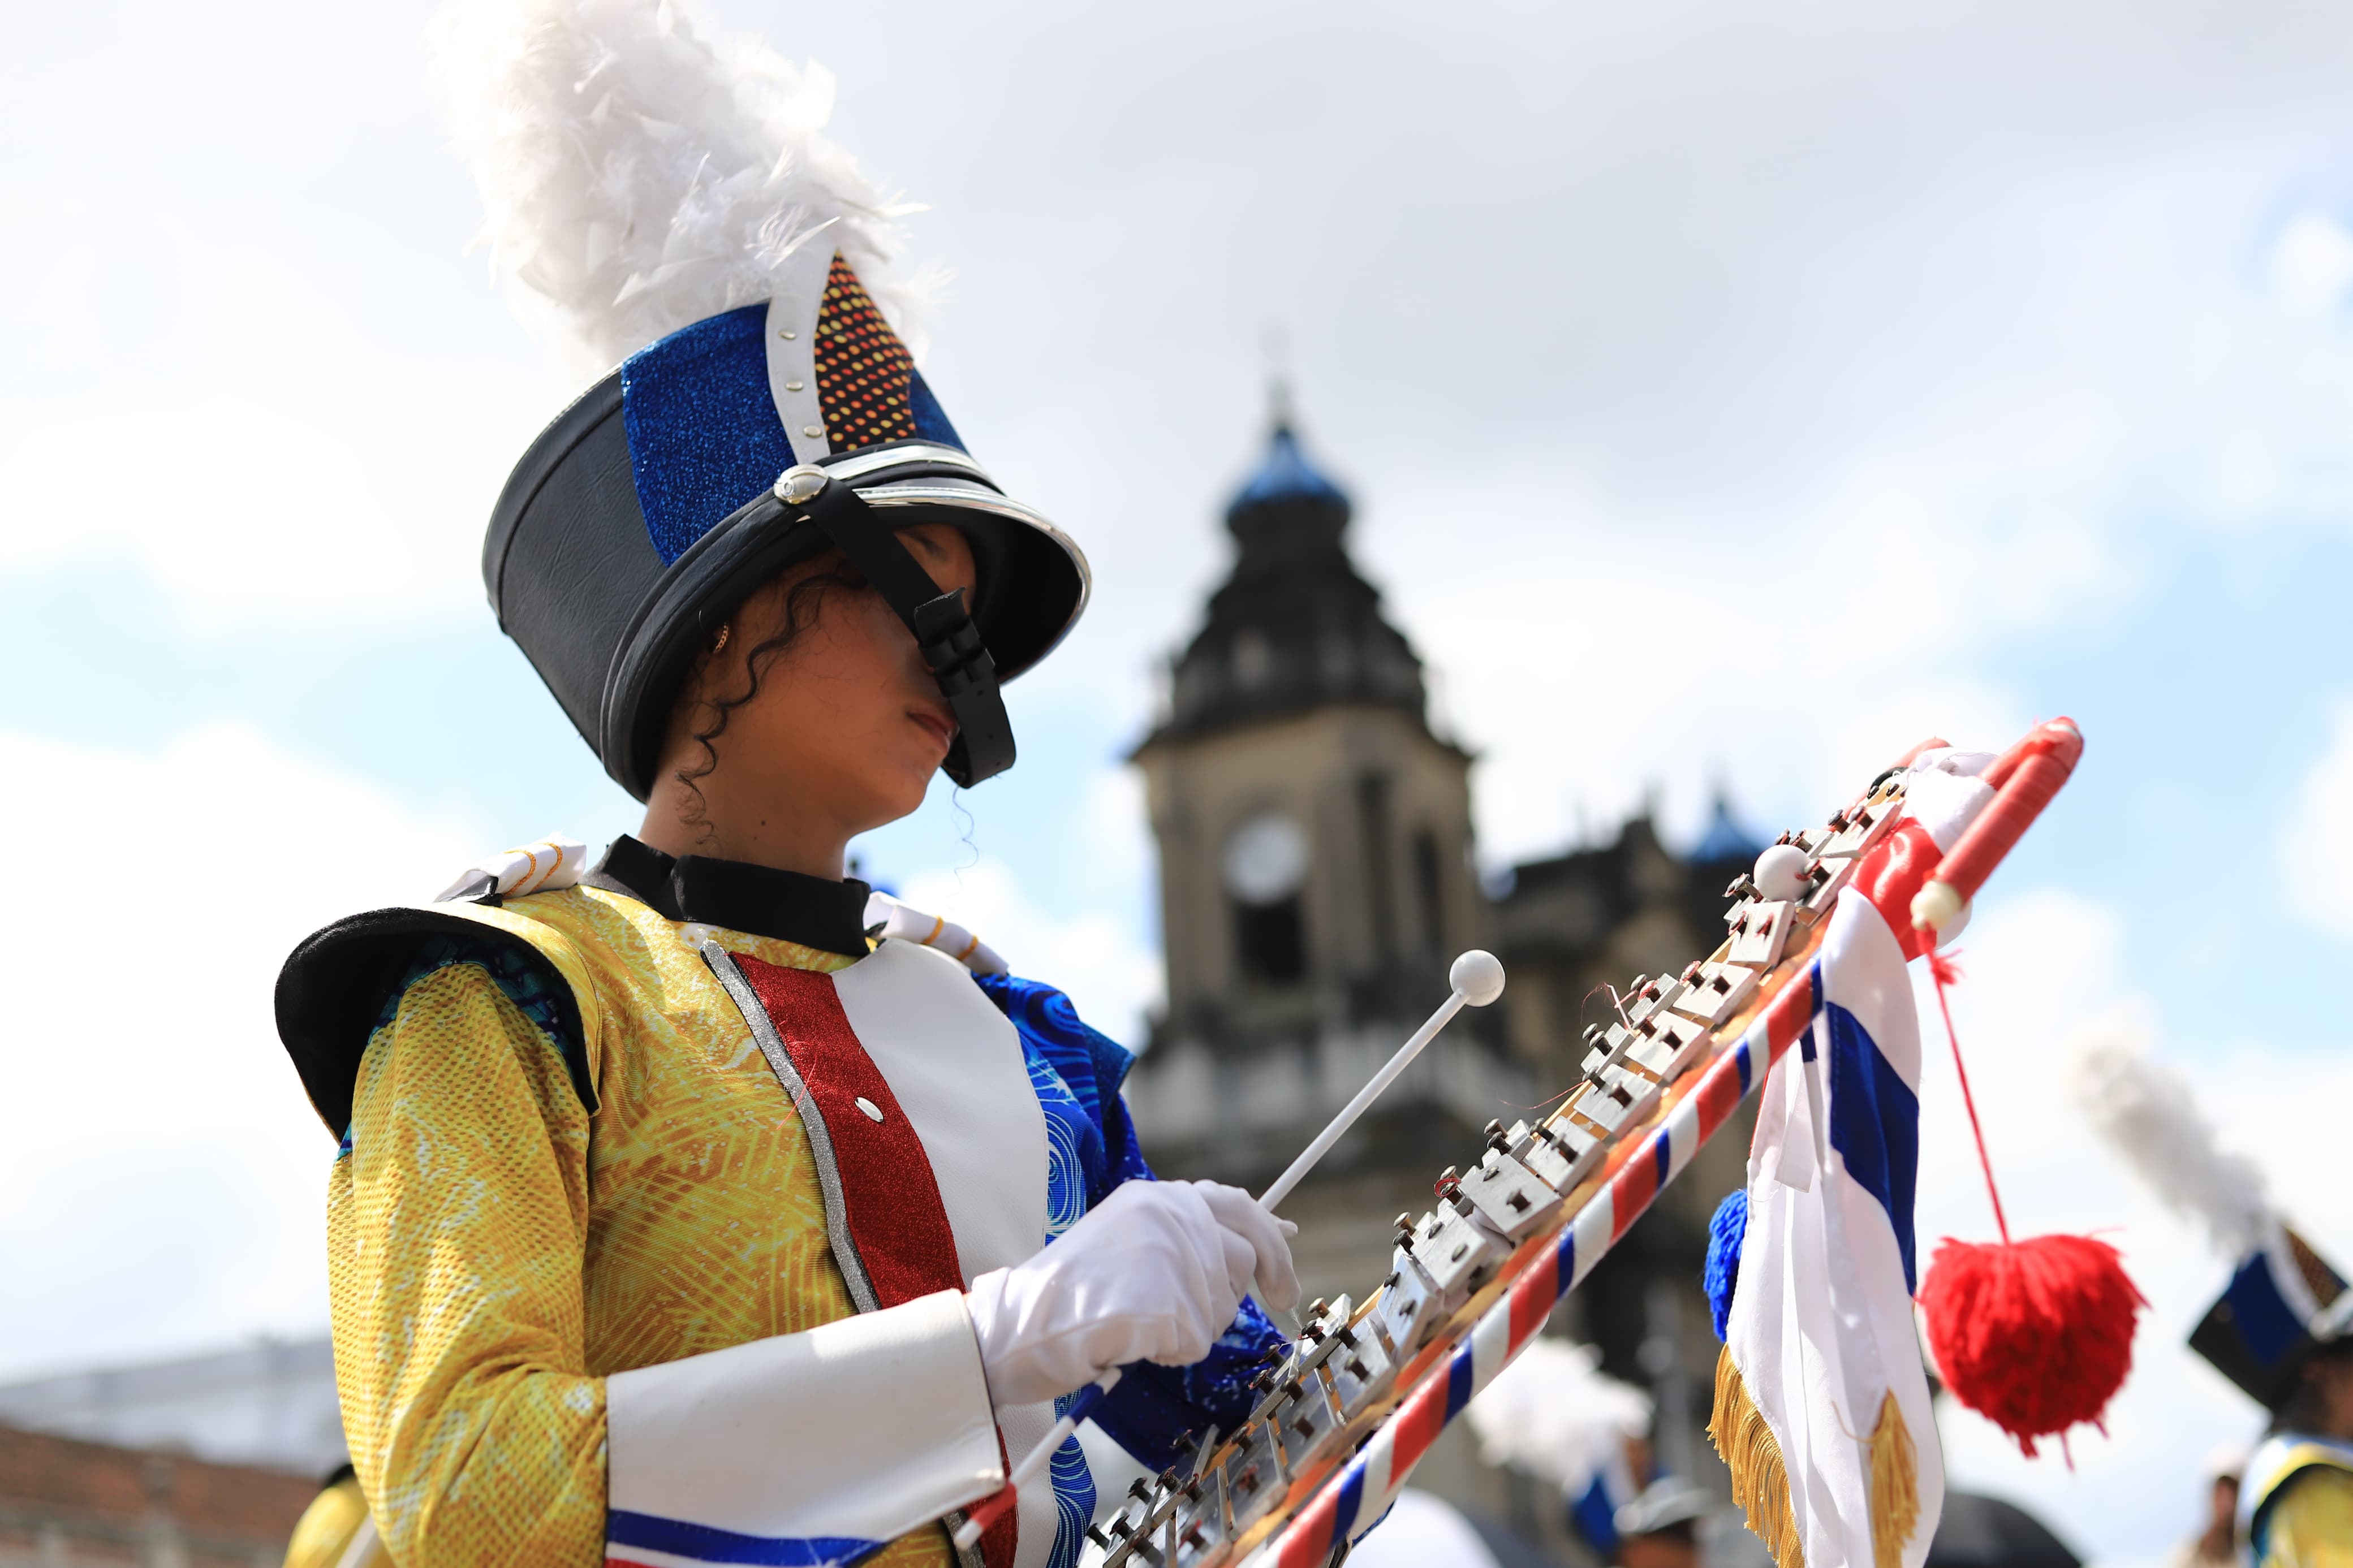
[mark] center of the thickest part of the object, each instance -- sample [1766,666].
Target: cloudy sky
[1728,394]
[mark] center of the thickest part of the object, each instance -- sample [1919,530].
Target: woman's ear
[706,676]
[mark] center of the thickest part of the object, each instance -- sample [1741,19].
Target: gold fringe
[1760,1481]
[1894,1486]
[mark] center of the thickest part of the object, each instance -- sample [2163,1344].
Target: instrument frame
[1474,1280]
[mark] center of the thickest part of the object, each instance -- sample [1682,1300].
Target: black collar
[739,896]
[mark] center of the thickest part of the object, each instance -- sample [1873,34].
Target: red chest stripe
[889,1196]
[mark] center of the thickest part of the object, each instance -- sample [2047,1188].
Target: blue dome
[1726,839]
[1285,474]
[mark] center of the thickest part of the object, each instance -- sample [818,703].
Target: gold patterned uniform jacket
[650,1227]
[2296,1503]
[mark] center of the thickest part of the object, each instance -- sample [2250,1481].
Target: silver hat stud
[800,484]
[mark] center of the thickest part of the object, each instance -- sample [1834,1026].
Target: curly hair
[803,603]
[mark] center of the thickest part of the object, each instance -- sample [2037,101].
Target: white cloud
[249,355]
[162,1176]
[2315,846]
[1674,655]
[1707,276]
[2311,264]
[1111,978]
[1112,829]
[242,500]
[1699,306]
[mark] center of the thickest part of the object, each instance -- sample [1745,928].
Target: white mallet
[1477,978]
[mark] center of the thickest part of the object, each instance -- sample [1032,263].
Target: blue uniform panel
[1092,1149]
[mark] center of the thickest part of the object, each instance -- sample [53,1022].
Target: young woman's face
[847,725]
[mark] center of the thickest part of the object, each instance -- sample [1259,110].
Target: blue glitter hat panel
[704,437]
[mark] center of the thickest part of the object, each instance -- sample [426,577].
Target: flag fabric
[1821,1401]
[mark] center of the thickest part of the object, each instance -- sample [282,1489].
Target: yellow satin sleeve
[2312,1525]
[457,1229]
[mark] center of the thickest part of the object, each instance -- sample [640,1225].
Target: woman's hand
[1154,1272]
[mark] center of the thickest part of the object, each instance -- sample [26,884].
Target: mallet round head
[1782,872]
[1478,976]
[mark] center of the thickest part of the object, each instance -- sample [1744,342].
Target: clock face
[1265,859]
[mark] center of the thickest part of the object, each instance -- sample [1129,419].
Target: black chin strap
[942,626]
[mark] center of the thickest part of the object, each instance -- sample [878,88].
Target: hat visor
[1034,582]
[1033,585]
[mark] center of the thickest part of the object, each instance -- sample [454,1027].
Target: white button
[787,336]
[792,386]
[812,429]
[874,1112]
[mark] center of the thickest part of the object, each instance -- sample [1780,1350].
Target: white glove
[1154,1272]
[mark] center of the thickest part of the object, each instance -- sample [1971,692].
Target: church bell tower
[1316,866]
[1314,836]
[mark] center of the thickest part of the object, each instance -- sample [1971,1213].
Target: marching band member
[694,1208]
[2278,1332]
[2216,1543]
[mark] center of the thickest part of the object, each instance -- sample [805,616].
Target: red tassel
[2033,1335]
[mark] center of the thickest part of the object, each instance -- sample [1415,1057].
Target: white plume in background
[2148,1111]
[638,177]
[1554,1415]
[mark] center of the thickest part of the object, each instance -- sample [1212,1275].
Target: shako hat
[2283,1302]
[658,202]
[2284,1299]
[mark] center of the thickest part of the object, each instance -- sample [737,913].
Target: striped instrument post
[1546,1269]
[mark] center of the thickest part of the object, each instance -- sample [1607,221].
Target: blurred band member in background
[2278,1332]
[2216,1545]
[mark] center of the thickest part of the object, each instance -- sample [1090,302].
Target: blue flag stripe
[1874,1125]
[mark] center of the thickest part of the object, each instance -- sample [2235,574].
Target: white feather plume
[1554,1415]
[638,177]
[2149,1114]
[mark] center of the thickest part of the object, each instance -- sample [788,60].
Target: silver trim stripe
[904,454]
[791,339]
